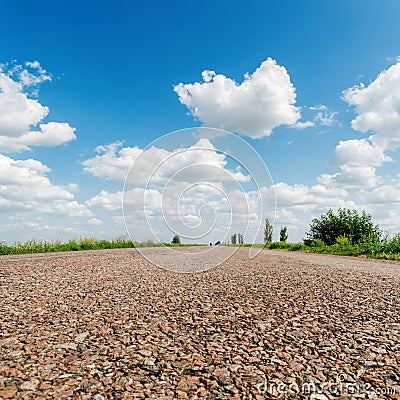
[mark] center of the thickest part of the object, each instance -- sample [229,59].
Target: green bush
[392,245]
[297,247]
[283,235]
[176,240]
[345,223]
[286,246]
[279,245]
[343,241]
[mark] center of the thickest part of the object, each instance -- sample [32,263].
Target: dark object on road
[217,243]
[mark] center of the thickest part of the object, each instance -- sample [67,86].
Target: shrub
[297,247]
[392,245]
[343,241]
[176,240]
[347,223]
[279,245]
[283,235]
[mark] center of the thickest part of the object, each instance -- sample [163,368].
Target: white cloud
[24,185]
[26,191]
[378,111]
[323,116]
[355,184]
[303,125]
[378,107]
[158,165]
[38,75]
[118,220]
[72,187]
[136,214]
[106,200]
[134,199]
[113,161]
[95,221]
[184,190]
[20,113]
[302,195]
[297,205]
[352,177]
[386,194]
[70,209]
[50,135]
[263,101]
[360,153]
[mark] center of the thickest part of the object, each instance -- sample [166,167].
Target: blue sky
[111,69]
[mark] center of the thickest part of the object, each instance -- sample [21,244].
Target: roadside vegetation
[344,232]
[43,246]
[389,249]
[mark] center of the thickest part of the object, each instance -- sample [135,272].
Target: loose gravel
[110,325]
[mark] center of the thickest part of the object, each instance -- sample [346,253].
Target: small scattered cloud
[323,115]
[303,125]
[34,77]
[319,115]
[95,221]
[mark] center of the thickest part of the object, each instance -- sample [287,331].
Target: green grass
[388,249]
[43,246]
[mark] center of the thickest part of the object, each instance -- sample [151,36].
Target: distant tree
[283,236]
[240,238]
[344,223]
[176,240]
[268,231]
[233,238]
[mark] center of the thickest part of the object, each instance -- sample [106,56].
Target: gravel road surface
[110,325]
